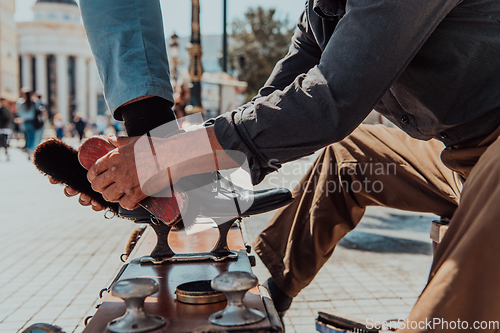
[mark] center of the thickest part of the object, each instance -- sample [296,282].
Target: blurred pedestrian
[101,124]
[30,117]
[6,118]
[38,99]
[58,125]
[181,99]
[17,133]
[116,126]
[79,125]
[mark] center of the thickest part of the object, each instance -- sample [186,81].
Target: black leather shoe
[138,215]
[281,301]
[223,199]
[219,199]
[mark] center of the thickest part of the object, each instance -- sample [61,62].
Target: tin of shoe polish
[198,292]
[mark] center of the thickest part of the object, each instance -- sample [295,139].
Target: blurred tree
[259,41]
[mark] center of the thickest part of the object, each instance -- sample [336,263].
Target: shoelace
[230,194]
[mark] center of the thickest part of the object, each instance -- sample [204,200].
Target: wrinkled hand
[115,174]
[84,199]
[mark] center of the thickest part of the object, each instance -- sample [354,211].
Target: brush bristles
[60,161]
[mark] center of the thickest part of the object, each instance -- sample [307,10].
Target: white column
[26,79]
[41,76]
[62,86]
[93,84]
[81,87]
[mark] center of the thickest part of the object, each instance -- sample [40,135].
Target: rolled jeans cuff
[153,89]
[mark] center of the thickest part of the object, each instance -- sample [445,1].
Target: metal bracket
[163,253]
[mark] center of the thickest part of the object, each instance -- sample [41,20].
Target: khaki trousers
[376,165]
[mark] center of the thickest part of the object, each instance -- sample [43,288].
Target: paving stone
[301,321]
[320,305]
[11,326]
[300,313]
[57,240]
[308,328]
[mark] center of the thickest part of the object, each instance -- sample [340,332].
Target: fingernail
[112,136]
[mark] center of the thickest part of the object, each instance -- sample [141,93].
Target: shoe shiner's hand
[84,199]
[149,165]
[115,174]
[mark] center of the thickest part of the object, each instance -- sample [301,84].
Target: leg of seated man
[128,43]
[375,165]
[463,290]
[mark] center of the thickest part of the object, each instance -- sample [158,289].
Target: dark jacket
[6,117]
[431,67]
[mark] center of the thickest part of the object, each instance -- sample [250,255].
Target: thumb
[119,141]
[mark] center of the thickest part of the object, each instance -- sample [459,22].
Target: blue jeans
[32,136]
[128,42]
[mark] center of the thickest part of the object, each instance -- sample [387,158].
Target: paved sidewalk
[57,255]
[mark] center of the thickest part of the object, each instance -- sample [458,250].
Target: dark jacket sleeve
[303,54]
[333,76]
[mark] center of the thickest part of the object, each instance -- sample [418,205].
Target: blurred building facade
[9,68]
[220,92]
[56,60]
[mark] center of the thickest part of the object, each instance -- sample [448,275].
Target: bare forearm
[190,153]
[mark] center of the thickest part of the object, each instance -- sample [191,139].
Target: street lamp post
[224,50]
[194,49]
[224,36]
[173,51]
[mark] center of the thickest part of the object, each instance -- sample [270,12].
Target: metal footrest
[190,257]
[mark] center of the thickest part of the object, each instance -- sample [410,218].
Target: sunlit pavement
[57,256]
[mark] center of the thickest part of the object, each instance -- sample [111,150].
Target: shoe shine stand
[163,253]
[146,294]
[178,282]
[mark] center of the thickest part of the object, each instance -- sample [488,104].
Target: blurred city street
[57,256]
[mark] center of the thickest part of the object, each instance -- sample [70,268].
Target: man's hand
[161,162]
[115,175]
[84,199]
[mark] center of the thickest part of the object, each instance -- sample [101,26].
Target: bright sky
[177,13]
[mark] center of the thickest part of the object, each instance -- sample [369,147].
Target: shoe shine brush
[68,166]
[165,208]
[56,159]
[336,322]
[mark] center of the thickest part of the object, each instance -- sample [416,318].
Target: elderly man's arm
[370,46]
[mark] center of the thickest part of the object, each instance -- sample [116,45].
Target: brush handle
[164,208]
